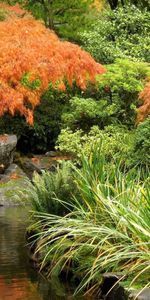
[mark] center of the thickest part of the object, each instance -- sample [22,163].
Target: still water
[18,280]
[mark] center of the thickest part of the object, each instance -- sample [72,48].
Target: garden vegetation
[92,102]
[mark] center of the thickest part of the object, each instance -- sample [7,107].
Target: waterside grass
[107,230]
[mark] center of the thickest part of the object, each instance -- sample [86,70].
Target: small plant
[51,192]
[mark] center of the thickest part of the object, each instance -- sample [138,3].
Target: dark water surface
[18,280]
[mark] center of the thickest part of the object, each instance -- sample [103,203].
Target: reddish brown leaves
[27,47]
[144,109]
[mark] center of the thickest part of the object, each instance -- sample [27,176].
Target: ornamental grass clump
[108,229]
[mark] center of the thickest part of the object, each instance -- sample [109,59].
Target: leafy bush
[108,231]
[142,144]
[121,33]
[83,113]
[121,86]
[115,99]
[121,3]
[116,142]
[131,148]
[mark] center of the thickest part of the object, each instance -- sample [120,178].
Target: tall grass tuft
[108,229]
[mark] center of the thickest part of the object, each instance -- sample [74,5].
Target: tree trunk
[50,14]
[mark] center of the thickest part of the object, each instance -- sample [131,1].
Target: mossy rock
[11,182]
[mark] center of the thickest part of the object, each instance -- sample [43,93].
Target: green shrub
[83,113]
[117,142]
[120,86]
[121,33]
[141,150]
[114,101]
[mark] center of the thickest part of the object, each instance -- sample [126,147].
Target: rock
[111,288]
[7,148]
[51,153]
[12,180]
[30,167]
[38,163]
[144,295]
[12,172]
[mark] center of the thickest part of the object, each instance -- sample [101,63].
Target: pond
[18,280]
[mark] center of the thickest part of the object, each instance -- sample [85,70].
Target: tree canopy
[31,57]
[140,3]
[65,17]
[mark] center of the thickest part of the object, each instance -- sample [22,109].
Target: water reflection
[18,281]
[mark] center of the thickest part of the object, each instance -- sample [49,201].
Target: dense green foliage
[115,34]
[122,3]
[114,101]
[121,33]
[110,116]
[111,106]
[107,226]
[116,143]
[47,122]
[66,17]
[91,215]
[142,144]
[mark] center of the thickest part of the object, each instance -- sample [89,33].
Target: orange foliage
[27,47]
[144,109]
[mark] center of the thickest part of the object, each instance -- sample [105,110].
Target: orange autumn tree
[144,109]
[29,50]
